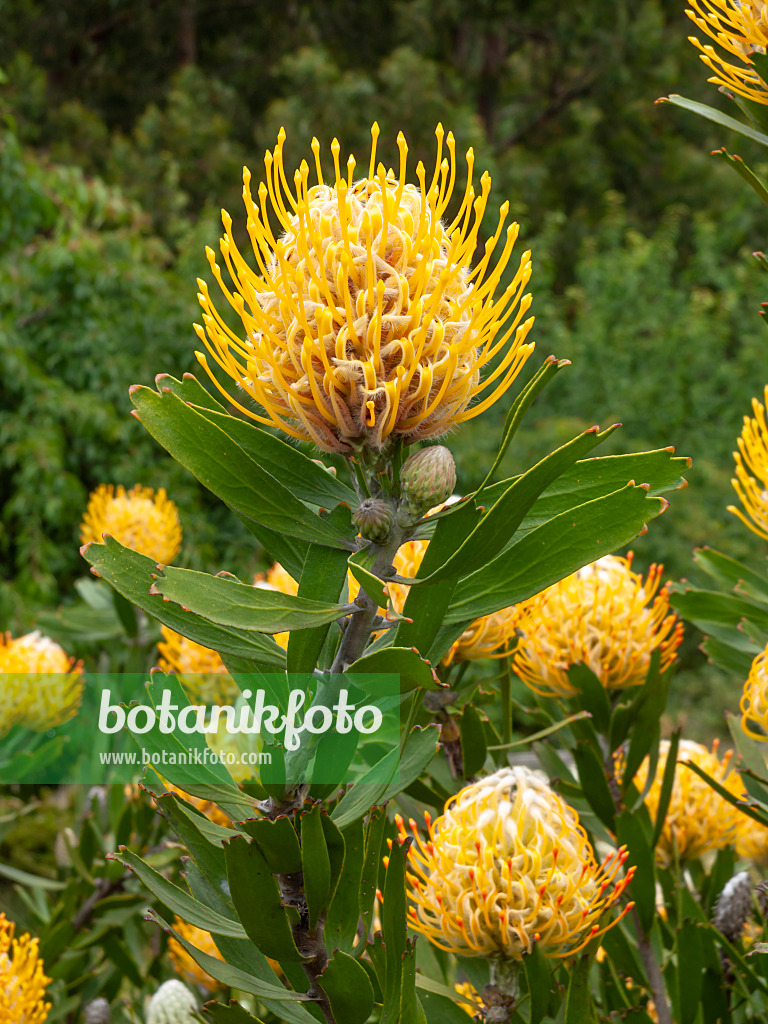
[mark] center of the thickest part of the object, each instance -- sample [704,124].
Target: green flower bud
[173,1003]
[427,478]
[374,520]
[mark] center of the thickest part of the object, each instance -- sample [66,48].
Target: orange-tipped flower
[506,866]
[362,319]
[139,519]
[41,685]
[698,818]
[185,966]
[740,27]
[605,617]
[22,979]
[751,480]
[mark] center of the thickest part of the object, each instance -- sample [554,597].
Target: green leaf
[189,390]
[501,521]
[179,901]
[31,881]
[322,579]
[594,783]
[711,114]
[315,864]
[735,161]
[690,972]
[473,748]
[578,1001]
[131,574]
[538,974]
[226,469]
[227,602]
[232,1013]
[665,794]
[743,806]
[647,709]
[519,407]
[256,897]
[394,930]
[343,917]
[751,757]
[369,877]
[630,833]
[348,988]
[278,842]
[732,574]
[592,695]
[359,565]
[415,672]
[388,777]
[553,551]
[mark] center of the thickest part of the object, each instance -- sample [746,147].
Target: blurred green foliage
[125,126]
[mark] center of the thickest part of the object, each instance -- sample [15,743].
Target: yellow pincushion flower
[752,843]
[22,979]
[200,670]
[698,819]
[751,480]
[139,519]
[754,699]
[508,865]
[471,1002]
[740,27]
[41,686]
[363,321]
[605,617]
[185,966]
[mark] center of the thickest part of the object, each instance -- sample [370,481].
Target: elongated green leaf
[500,522]
[406,662]
[578,1001]
[348,988]
[665,794]
[226,469]
[359,565]
[553,551]
[180,902]
[315,864]
[630,833]
[231,1014]
[744,172]
[278,842]
[593,696]
[538,974]
[31,881]
[746,808]
[393,926]
[473,747]
[227,602]
[344,913]
[732,574]
[711,114]
[131,574]
[594,783]
[369,877]
[715,609]
[256,897]
[190,390]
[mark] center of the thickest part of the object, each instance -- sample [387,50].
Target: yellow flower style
[751,480]
[363,321]
[22,980]
[41,687]
[185,966]
[199,669]
[740,27]
[754,699]
[698,818]
[605,617]
[139,519]
[471,1002]
[508,865]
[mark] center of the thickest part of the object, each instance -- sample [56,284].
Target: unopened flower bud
[97,1012]
[734,906]
[173,1003]
[427,478]
[374,520]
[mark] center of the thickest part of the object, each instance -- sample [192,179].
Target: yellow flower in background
[278,578]
[471,1002]
[752,843]
[751,480]
[41,686]
[754,699]
[22,979]
[363,320]
[139,519]
[506,866]
[698,819]
[200,670]
[185,966]
[605,617]
[207,807]
[740,27]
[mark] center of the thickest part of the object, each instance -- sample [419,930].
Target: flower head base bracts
[185,966]
[698,819]
[139,519]
[508,865]
[754,699]
[751,480]
[363,320]
[22,980]
[740,27]
[605,617]
[41,686]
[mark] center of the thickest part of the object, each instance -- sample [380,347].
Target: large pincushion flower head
[139,519]
[740,27]
[754,699]
[751,480]
[22,979]
[506,866]
[698,818]
[40,685]
[362,318]
[605,617]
